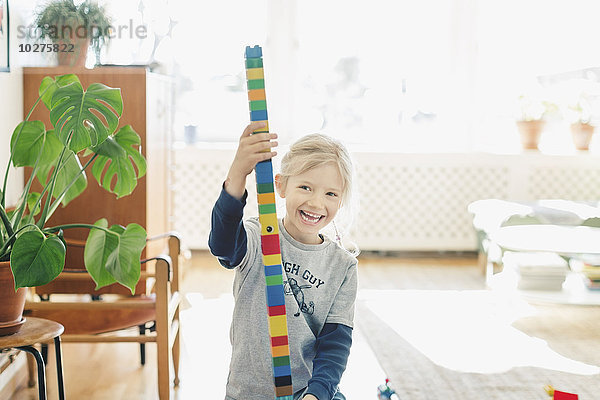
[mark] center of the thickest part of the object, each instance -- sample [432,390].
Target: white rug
[468,331]
[476,345]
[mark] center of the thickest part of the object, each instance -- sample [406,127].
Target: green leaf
[76,114]
[49,157]
[36,259]
[32,199]
[49,86]
[26,143]
[98,247]
[70,169]
[117,157]
[43,173]
[51,150]
[124,262]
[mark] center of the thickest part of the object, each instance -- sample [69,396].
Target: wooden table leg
[30,370]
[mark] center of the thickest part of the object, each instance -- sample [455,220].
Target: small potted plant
[530,121]
[85,124]
[73,28]
[580,114]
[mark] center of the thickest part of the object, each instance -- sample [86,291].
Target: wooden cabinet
[147,107]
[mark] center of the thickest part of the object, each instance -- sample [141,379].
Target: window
[523,44]
[208,45]
[202,44]
[432,75]
[384,73]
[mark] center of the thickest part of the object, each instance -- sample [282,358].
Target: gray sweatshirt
[320,288]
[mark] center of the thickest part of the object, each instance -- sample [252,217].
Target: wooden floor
[112,371]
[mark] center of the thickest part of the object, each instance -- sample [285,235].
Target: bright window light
[426,76]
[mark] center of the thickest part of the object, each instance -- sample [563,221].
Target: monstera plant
[84,134]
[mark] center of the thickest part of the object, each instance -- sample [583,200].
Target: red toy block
[276,310]
[279,341]
[270,244]
[558,395]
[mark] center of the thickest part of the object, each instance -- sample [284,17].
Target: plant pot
[530,132]
[76,57]
[11,302]
[582,135]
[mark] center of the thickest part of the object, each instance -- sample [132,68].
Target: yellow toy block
[279,351]
[273,259]
[266,198]
[268,220]
[265,128]
[255,73]
[278,326]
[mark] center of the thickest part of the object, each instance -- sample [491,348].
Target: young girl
[320,278]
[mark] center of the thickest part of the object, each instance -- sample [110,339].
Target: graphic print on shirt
[295,287]
[291,287]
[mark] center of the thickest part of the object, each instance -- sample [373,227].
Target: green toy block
[266,209]
[274,280]
[258,105]
[254,62]
[256,84]
[279,361]
[265,188]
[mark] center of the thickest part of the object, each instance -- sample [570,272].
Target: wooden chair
[105,315]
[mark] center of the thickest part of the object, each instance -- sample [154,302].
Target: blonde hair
[313,151]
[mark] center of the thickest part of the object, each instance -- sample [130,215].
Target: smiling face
[312,199]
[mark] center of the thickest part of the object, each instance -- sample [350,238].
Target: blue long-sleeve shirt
[228,241]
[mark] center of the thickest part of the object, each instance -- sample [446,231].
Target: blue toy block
[264,171]
[259,115]
[271,270]
[283,370]
[275,296]
[253,52]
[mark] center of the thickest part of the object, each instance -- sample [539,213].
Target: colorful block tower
[271,251]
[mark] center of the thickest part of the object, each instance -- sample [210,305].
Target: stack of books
[537,270]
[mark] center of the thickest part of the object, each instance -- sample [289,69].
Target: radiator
[408,202]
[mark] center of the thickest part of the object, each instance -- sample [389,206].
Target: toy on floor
[385,392]
[558,395]
[280,351]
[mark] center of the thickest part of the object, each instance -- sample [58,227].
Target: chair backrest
[73,284]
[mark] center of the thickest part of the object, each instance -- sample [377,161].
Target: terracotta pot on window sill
[73,53]
[582,135]
[530,132]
